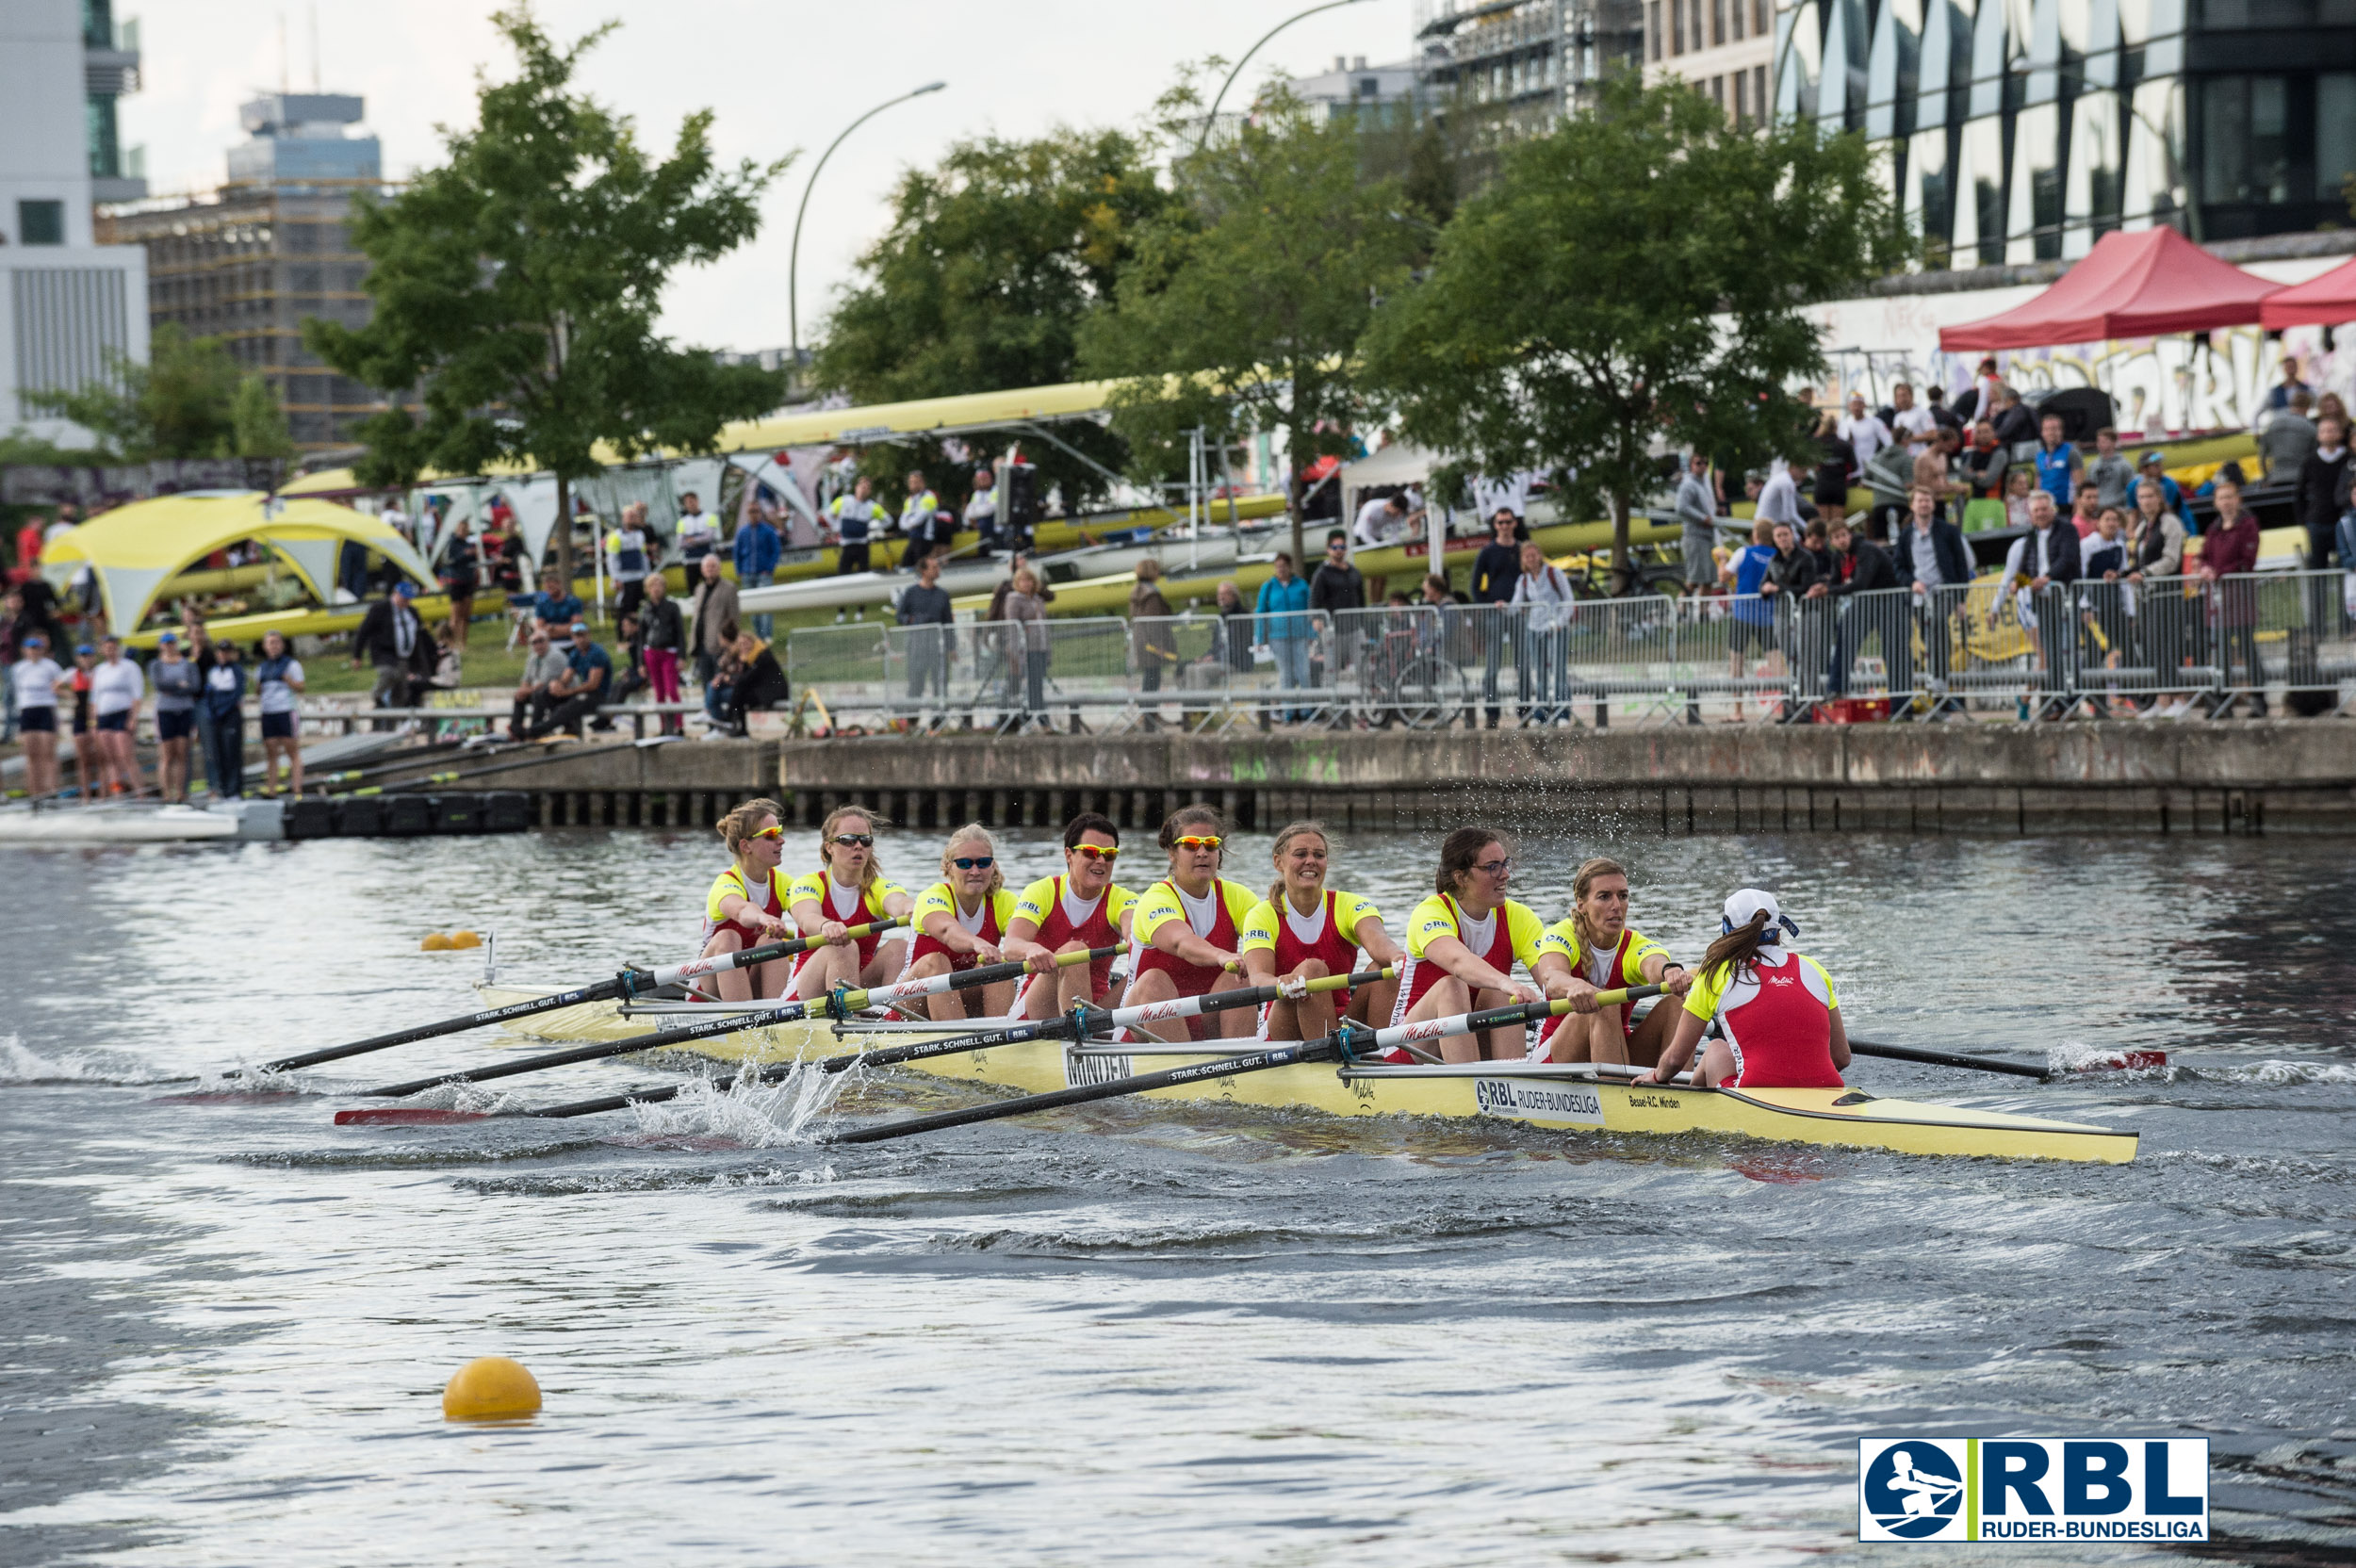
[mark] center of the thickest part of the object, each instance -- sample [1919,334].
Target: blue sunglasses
[975,862]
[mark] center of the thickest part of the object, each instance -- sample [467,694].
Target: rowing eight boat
[1558,1096]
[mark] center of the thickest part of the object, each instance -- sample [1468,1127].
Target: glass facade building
[2023,130]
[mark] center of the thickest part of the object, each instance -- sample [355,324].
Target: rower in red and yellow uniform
[1607,953]
[847,890]
[747,905]
[1077,912]
[1782,1021]
[1305,930]
[1185,931]
[1462,943]
[959,921]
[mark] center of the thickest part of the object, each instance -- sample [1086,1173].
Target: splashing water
[20,1064]
[753,1114]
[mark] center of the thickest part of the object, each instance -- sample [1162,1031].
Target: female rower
[746,907]
[1077,912]
[1187,928]
[1782,1021]
[1305,930]
[1608,953]
[1461,943]
[847,889]
[959,921]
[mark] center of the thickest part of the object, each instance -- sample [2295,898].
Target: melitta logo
[2033,1489]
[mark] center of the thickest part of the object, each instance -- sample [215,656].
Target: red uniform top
[1778,1013]
[1045,904]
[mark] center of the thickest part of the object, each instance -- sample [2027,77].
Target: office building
[2023,130]
[249,263]
[1366,95]
[1509,68]
[1725,48]
[68,304]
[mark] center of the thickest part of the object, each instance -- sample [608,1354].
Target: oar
[837,1004]
[2129,1060]
[1080,1021]
[630,982]
[1328,1049]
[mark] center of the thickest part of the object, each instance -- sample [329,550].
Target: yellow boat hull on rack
[1539,1094]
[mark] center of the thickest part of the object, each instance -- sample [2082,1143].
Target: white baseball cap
[1745,906]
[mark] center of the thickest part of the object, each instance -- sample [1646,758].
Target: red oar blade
[404,1116]
[2122,1061]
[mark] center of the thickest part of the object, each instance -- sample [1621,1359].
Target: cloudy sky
[781,76]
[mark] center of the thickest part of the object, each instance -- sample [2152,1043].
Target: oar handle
[694,968]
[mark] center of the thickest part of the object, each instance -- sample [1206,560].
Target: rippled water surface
[1123,1335]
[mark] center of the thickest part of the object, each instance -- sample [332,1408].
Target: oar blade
[405,1115]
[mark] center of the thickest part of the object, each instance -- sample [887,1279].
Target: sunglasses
[772,831]
[1195,840]
[1495,868]
[975,862]
[863,840]
[1098,852]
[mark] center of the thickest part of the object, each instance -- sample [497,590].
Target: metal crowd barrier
[2111,648]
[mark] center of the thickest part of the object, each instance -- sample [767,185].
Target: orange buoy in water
[465,938]
[490,1388]
[434,942]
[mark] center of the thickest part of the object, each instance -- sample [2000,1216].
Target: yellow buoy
[465,938]
[490,1388]
[434,942]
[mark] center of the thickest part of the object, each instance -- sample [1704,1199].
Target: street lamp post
[1209,119]
[793,257]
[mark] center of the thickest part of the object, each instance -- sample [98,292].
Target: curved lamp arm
[793,257]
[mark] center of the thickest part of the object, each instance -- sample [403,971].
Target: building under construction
[249,263]
[1504,68]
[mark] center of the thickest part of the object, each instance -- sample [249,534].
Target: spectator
[555,608]
[1935,469]
[1336,585]
[1859,566]
[2323,490]
[587,677]
[698,533]
[1910,424]
[1817,540]
[662,637]
[178,685]
[1234,628]
[2286,438]
[2151,465]
[85,748]
[1284,628]
[2281,394]
[1941,415]
[2229,552]
[981,510]
[29,544]
[1744,576]
[919,511]
[1864,431]
[758,684]
[626,557]
[2047,554]
[1379,522]
[2155,535]
[1542,598]
[1932,555]
[630,638]
[1697,516]
[1153,642]
[2015,425]
[1988,391]
[37,610]
[758,550]
[278,681]
[392,639]
[1985,463]
[33,684]
[2020,492]
[1779,496]
[117,688]
[925,610]
[2085,514]
[224,700]
[1026,617]
[533,696]
[1493,573]
[461,575]
[2110,475]
[717,690]
[2059,468]
[715,620]
[1836,461]
[854,517]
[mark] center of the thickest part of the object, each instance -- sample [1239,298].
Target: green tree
[1246,304]
[191,399]
[1636,277]
[993,260]
[516,287]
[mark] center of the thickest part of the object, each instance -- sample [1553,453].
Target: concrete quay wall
[2280,775]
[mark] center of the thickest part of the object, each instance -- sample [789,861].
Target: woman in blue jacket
[1285,629]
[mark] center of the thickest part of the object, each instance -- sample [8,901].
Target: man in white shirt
[1780,497]
[981,510]
[1911,423]
[698,532]
[1378,522]
[1864,431]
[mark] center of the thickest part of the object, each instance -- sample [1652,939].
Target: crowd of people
[1082,938]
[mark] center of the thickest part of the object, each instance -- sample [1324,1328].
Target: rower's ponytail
[1738,949]
[1292,830]
[739,824]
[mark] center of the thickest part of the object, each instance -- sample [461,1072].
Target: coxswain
[1305,930]
[1461,945]
[1078,912]
[1187,928]
[1608,953]
[847,890]
[959,922]
[746,907]
[1781,1020]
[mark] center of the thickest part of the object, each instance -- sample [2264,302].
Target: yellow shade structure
[137,549]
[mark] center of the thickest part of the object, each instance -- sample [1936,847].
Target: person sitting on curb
[533,697]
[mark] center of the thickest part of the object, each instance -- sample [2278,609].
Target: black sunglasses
[864,841]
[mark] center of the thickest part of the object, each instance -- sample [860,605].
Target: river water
[1194,1335]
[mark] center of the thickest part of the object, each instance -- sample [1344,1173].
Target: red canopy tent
[2324,301]
[2130,285]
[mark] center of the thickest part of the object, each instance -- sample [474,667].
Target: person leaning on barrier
[2323,491]
[1859,566]
[2229,552]
[1153,641]
[1930,556]
[925,610]
[2047,554]
[1494,571]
